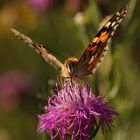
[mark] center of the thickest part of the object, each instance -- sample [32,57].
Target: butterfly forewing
[40,49]
[96,50]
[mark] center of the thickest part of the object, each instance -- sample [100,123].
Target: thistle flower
[73,111]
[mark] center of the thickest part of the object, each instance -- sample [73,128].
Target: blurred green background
[65,27]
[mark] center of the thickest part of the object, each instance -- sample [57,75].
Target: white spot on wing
[112,33]
[115,27]
[118,13]
[108,24]
[113,23]
[119,21]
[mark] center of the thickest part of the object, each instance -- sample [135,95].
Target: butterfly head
[71,66]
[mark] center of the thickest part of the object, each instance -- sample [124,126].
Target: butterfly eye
[71,67]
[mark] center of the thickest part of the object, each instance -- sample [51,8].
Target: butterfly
[92,56]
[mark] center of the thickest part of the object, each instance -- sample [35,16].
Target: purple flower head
[74,111]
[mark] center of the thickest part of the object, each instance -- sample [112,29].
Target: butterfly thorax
[70,68]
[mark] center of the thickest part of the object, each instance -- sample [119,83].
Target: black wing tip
[125,8]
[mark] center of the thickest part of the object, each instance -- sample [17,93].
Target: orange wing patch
[104,36]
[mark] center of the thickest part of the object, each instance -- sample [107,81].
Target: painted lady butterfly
[91,58]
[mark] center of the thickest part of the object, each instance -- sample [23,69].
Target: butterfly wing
[96,50]
[40,49]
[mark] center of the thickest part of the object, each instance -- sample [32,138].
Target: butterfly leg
[60,80]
